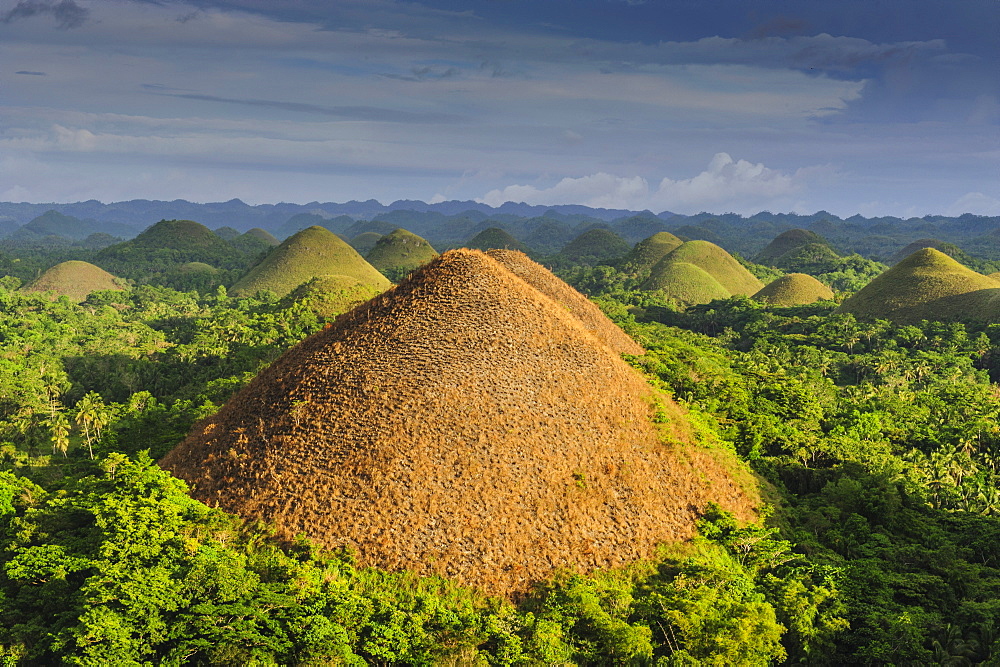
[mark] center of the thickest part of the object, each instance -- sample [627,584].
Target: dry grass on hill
[314,251]
[577,304]
[462,424]
[795,289]
[926,285]
[74,279]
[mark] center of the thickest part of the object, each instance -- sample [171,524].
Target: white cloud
[977,203]
[726,185]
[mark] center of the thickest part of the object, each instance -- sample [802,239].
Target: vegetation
[74,279]
[876,443]
[648,252]
[949,249]
[365,241]
[595,246]
[789,242]
[314,251]
[707,269]
[495,238]
[399,252]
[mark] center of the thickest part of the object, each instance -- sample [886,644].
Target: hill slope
[400,251]
[648,252]
[795,289]
[926,285]
[314,251]
[712,260]
[595,245]
[786,242]
[462,424]
[74,279]
[493,238]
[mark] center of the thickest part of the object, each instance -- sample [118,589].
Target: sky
[871,107]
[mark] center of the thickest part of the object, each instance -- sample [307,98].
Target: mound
[197,267]
[595,244]
[926,285]
[74,279]
[786,242]
[165,245]
[226,233]
[649,251]
[795,289]
[314,251]
[400,251]
[255,241]
[461,424]
[711,259]
[686,283]
[365,241]
[263,235]
[578,305]
[494,238]
[814,258]
[949,249]
[332,295]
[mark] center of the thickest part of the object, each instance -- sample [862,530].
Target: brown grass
[461,424]
[75,279]
[580,306]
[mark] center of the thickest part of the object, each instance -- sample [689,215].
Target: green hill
[795,289]
[314,251]
[329,296]
[365,241]
[711,259]
[227,233]
[166,245]
[399,252]
[648,252]
[494,238]
[595,245]
[949,249]
[686,283]
[197,267]
[787,242]
[812,258]
[926,285]
[254,241]
[74,279]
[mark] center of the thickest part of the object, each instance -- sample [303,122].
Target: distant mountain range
[546,229]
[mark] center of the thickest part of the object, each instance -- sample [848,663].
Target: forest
[876,443]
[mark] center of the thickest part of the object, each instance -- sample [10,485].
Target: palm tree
[60,427]
[91,413]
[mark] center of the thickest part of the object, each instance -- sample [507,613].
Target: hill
[582,308]
[786,242]
[365,241]
[926,285]
[649,251]
[329,296]
[314,251]
[686,284]
[254,241]
[595,245]
[494,238]
[399,252]
[794,289]
[949,249]
[166,245]
[461,424]
[713,261]
[74,279]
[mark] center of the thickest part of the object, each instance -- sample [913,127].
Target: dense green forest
[878,446]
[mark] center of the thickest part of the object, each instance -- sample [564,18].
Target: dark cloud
[349,112]
[780,26]
[67,13]
[30,73]
[424,74]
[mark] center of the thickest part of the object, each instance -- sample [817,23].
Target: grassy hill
[686,284]
[365,241]
[595,246]
[794,289]
[649,251]
[949,249]
[329,296]
[399,252]
[724,270]
[314,251]
[166,245]
[494,238]
[926,285]
[74,279]
[786,242]
[462,424]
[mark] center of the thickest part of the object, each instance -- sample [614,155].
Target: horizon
[855,109]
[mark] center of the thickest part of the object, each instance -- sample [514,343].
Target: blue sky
[876,107]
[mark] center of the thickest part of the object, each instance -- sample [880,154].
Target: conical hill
[794,289]
[712,260]
[493,238]
[400,251]
[786,242]
[462,424]
[649,251]
[314,251]
[74,279]
[582,308]
[365,241]
[926,285]
[332,295]
[686,284]
[595,245]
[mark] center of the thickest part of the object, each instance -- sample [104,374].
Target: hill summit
[794,289]
[314,251]
[698,272]
[74,279]
[786,242]
[399,252]
[649,251]
[926,285]
[462,424]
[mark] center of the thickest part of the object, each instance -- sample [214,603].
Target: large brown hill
[462,424]
[580,306]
